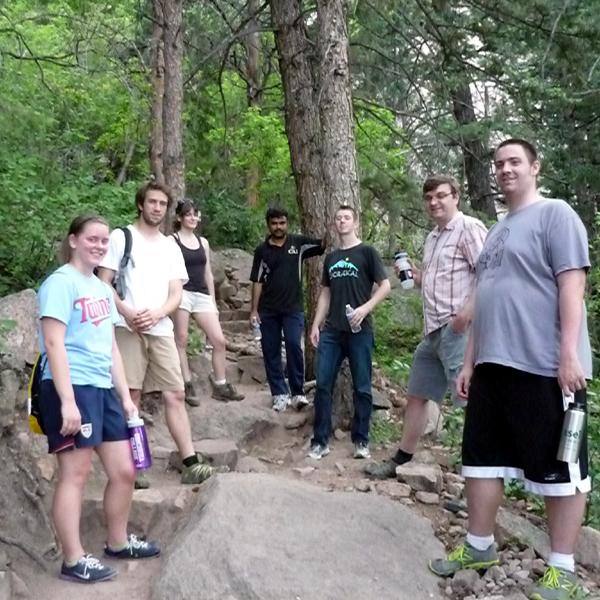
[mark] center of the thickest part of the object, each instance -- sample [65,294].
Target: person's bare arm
[255,297]
[149,317]
[53,331]
[120,382]
[320,314]
[571,289]
[360,312]
[208,275]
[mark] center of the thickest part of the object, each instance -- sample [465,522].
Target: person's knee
[174,399]
[123,474]
[219,343]
[416,401]
[181,339]
[75,474]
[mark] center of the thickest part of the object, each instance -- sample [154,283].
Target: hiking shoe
[226,393]
[196,473]
[136,548]
[141,481]
[557,584]
[464,557]
[191,396]
[281,402]
[317,451]
[88,569]
[382,470]
[361,450]
[299,401]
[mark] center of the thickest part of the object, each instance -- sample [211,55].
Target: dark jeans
[292,325]
[334,346]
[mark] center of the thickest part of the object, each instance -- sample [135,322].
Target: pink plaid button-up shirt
[448,272]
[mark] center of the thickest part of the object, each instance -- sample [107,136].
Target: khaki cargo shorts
[151,361]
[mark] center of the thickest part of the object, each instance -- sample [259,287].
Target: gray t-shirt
[516,321]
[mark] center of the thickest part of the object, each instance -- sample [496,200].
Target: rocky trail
[279,525]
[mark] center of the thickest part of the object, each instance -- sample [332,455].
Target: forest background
[431,86]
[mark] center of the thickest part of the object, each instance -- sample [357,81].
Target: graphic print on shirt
[343,268]
[94,310]
[492,253]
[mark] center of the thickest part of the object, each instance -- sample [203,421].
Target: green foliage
[384,429]
[6,325]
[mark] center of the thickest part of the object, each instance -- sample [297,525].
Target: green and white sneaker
[557,584]
[464,557]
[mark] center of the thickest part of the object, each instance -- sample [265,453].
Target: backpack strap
[127,252]
[119,281]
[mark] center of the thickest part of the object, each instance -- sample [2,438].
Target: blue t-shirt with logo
[86,306]
[350,274]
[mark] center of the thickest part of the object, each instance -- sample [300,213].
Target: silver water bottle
[573,432]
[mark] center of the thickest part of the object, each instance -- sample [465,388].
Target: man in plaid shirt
[447,280]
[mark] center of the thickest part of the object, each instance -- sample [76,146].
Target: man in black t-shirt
[349,273]
[277,305]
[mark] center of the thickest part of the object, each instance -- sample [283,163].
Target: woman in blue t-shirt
[80,411]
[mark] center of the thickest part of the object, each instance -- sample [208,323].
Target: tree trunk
[173,159]
[475,156]
[253,91]
[303,130]
[319,125]
[158,91]
[334,99]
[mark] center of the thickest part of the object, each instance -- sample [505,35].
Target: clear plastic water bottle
[405,273]
[349,311]
[138,440]
[256,333]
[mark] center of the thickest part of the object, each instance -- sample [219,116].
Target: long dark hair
[76,227]
[184,207]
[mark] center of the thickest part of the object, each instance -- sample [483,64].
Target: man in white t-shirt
[153,281]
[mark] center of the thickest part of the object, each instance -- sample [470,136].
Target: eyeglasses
[439,196]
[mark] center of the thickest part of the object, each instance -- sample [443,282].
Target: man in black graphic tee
[349,273]
[277,305]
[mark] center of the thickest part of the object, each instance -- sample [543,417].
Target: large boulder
[259,536]
[19,336]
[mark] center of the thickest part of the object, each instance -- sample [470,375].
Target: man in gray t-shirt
[528,352]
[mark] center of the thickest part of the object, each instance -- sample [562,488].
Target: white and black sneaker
[88,569]
[361,450]
[281,402]
[317,451]
[299,401]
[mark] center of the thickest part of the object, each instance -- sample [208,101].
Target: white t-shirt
[154,263]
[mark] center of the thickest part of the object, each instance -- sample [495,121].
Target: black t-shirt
[279,269]
[195,263]
[350,274]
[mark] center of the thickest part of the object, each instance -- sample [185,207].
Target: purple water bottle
[138,440]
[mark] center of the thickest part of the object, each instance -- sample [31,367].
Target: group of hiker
[504,332]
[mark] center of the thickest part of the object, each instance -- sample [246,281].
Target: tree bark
[302,124]
[475,156]
[173,159]
[319,126]
[158,91]
[254,86]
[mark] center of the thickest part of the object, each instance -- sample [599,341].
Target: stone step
[241,314]
[237,326]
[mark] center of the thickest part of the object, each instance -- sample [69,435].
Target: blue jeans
[292,325]
[334,346]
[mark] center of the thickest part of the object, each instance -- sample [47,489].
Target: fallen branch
[24,548]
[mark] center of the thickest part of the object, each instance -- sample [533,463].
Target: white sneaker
[361,450]
[281,402]
[318,452]
[299,401]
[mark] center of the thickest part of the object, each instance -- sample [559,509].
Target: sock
[220,381]
[402,457]
[118,547]
[72,563]
[562,561]
[190,460]
[480,542]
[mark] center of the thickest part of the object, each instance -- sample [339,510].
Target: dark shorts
[512,430]
[102,417]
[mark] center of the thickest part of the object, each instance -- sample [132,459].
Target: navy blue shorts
[102,417]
